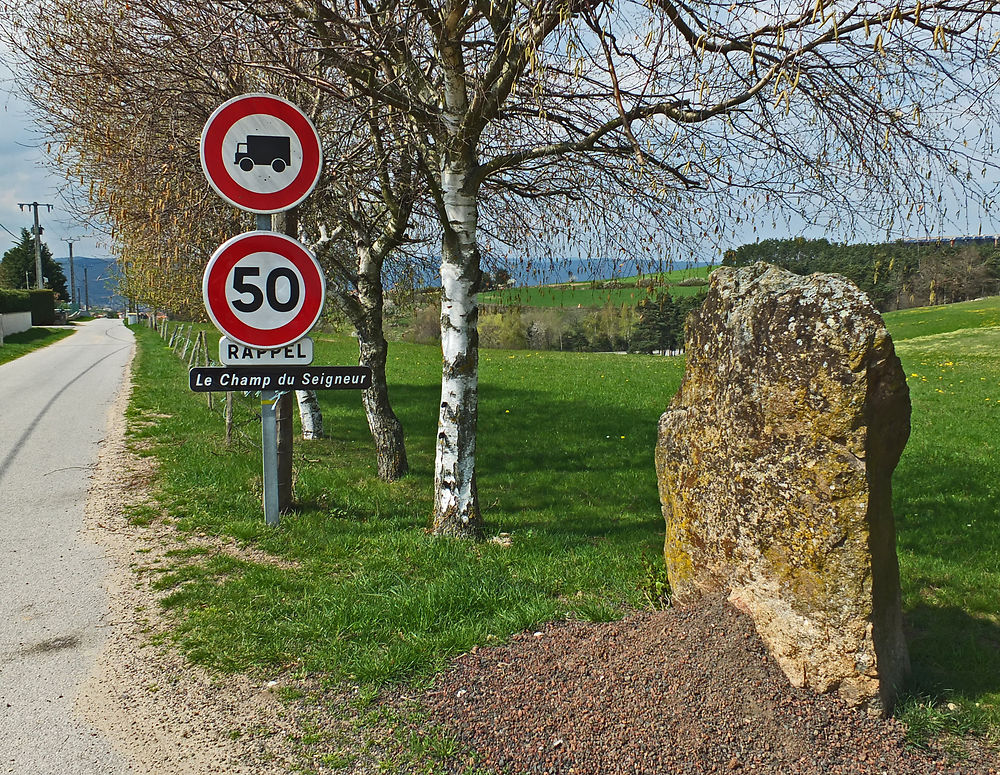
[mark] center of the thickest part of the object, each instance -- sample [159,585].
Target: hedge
[14,301]
[43,307]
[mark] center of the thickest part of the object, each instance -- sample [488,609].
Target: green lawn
[566,469]
[946,496]
[570,479]
[16,345]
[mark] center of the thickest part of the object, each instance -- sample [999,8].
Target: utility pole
[86,291]
[39,279]
[72,274]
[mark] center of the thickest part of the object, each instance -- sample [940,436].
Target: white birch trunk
[456,501]
[310,414]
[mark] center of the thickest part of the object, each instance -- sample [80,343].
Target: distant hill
[100,274]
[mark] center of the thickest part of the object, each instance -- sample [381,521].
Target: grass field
[927,321]
[566,471]
[23,343]
[946,494]
[376,598]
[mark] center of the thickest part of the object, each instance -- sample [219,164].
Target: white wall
[15,322]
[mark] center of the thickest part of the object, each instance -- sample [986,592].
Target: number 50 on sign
[263,289]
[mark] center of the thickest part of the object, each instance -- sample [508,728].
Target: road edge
[164,715]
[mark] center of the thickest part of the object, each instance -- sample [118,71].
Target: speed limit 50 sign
[263,289]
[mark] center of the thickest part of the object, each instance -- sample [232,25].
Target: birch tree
[722,112]
[372,222]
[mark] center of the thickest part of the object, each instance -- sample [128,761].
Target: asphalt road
[53,413]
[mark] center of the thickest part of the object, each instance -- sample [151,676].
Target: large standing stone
[774,464]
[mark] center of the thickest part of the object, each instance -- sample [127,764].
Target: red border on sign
[217,273]
[217,171]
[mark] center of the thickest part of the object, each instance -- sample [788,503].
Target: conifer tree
[17,269]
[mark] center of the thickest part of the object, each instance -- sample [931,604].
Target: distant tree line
[895,275]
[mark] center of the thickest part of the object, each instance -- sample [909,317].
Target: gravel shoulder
[166,716]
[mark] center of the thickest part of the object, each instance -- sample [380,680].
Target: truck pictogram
[270,150]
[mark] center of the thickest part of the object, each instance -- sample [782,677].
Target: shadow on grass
[952,651]
[31,335]
[572,468]
[948,527]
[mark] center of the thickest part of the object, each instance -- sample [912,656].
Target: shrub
[14,301]
[426,325]
[502,331]
[43,307]
[544,328]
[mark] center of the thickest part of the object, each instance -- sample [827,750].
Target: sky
[23,178]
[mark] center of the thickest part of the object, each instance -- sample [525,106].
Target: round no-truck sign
[261,153]
[263,289]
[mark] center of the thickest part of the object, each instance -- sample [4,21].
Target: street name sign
[235,354]
[263,290]
[205,379]
[261,153]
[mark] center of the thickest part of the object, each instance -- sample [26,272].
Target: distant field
[584,294]
[674,275]
[926,321]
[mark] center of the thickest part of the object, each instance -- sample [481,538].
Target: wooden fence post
[208,362]
[187,344]
[196,350]
[229,417]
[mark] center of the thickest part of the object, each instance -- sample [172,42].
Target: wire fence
[190,344]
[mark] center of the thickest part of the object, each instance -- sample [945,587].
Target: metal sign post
[269,431]
[263,290]
[269,443]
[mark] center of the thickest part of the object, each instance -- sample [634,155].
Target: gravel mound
[676,691]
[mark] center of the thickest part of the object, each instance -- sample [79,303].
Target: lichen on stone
[774,463]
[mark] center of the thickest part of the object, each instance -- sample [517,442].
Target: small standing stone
[774,463]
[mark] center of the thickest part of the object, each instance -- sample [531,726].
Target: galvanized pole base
[269,433]
[269,443]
